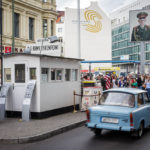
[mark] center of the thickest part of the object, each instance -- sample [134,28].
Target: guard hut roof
[40,55]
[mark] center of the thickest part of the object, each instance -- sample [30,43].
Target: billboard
[139,25]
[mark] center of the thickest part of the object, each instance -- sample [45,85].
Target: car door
[143,109]
[147,103]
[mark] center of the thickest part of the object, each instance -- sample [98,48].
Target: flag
[107,79]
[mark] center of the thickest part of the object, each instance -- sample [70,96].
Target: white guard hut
[56,79]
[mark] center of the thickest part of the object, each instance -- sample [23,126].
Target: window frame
[24,81]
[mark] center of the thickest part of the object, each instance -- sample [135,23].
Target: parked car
[122,109]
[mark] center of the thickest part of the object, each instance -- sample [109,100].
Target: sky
[107,5]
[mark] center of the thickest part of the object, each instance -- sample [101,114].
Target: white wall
[58,94]
[94,46]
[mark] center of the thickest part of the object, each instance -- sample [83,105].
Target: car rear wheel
[140,131]
[97,131]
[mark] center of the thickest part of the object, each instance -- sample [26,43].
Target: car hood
[111,109]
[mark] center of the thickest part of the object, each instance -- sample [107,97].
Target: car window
[120,99]
[140,100]
[146,97]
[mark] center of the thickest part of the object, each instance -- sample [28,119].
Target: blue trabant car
[122,109]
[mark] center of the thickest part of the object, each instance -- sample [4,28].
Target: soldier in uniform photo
[142,31]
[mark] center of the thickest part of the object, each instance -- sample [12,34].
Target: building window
[52,27]
[16,25]
[32,73]
[44,73]
[7,75]
[20,73]
[74,75]
[67,74]
[59,29]
[52,1]
[59,74]
[31,29]
[44,28]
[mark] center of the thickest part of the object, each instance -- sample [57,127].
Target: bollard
[74,93]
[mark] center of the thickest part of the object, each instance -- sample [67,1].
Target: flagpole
[79,44]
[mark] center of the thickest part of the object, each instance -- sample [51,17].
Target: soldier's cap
[142,15]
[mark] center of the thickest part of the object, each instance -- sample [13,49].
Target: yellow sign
[94,21]
[107,69]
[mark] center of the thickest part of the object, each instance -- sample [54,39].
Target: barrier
[27,100]
[3,96]
[82,95]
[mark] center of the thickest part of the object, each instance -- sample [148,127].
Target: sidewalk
[16,131]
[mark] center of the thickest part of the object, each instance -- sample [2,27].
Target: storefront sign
[107,68]
[124,57]
[52,49]
[7,49]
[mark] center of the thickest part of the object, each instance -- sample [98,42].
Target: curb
[43,136]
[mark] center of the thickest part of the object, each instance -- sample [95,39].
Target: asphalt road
[83,139]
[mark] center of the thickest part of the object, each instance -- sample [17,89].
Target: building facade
[122,48]
[95,28]
[33,19]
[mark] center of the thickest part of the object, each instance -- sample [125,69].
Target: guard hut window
[67,74]
[7,75]
[20,73]
[44,72]
[32,73]
[59,73]
[16,24]
[53,77]
[74,74]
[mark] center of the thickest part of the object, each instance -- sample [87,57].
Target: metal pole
[90,71]
[1,30]
[79,44]
[13,30]
[142,58]
[74,102]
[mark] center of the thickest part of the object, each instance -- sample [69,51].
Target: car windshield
[119,99]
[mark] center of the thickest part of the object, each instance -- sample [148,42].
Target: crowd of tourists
[131,80]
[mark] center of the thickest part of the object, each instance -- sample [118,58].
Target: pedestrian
[114,82]
[139,81]
[148,86]
[103,82]
[134,84]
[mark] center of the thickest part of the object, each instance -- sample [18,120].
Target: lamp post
[13,30]
[79,44]
[1,41]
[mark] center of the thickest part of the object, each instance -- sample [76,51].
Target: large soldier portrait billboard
[139,25]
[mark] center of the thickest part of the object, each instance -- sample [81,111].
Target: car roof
[126,90]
